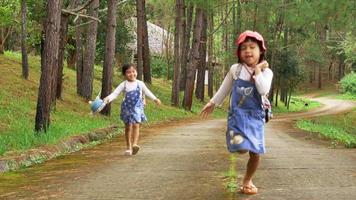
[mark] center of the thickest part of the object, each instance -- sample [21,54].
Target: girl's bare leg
[128,131]
[136,133]
[251,169]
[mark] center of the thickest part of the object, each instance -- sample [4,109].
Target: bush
[159,67]
[348,84]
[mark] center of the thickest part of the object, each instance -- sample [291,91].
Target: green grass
[297,104]
[230,176]
[18,99]
[340,129]
[347,96]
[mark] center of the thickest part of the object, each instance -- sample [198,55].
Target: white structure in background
[157,37]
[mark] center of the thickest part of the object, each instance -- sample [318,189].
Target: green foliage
[159,67]
[287,69]
[348,84]
[123,36]
[9,10]
[348,48]
[340,129]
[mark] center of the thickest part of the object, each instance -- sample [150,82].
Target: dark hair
[127,66]
[259,43]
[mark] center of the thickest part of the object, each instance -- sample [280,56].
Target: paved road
[189,161]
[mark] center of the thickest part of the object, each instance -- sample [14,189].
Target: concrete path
[189,161]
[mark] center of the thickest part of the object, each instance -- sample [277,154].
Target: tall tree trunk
[210,57]
[109,54]
[177,52]
[72,54]
[140,17]
[146,49]
[4,34]
[239,18]
[51,45]
[193,61]
[200,85]
[255,17]
[186,47]
[341,67]
[319,76]
[79,55]
[167,43]
[23,40]
[89,55]
[1,43]
[62,44]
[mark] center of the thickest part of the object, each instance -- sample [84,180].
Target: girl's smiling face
[250,53]
[131,74]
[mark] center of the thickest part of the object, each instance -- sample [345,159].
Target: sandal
[135,149]
[128,153]
[249,190]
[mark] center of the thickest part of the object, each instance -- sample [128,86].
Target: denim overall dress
[245,119]
[132,107]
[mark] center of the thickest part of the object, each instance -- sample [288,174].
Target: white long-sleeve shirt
[130,86]
[262,81]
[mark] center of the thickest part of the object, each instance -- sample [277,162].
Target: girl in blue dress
[132,108]
[248,82]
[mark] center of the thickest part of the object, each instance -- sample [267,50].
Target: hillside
[18,99]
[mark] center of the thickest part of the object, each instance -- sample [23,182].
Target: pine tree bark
[62,44]
[89,55]
[146,49]
[25,70]
[186,48]
[210,57]
[177,52]
[71,59]
[193,61]
[200,83]
[140,32]
[51,46]
[109,54]
[79,55]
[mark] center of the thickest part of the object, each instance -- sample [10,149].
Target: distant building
[156,37]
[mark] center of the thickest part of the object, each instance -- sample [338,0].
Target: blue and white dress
[132,108]
[245,129]
[245,118]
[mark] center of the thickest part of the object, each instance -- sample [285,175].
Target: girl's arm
[220,95]
[263,81]
[148,92]
[225,87]
[115,93]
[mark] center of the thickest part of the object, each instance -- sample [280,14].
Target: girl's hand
[263,65]
[207,110]
[106,100]
[158,102]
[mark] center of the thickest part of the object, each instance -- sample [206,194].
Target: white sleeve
[225,88]
[116,92]
[146,91]
[263,81]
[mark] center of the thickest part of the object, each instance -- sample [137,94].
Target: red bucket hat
[252,34]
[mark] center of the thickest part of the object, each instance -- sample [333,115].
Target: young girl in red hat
[248,82]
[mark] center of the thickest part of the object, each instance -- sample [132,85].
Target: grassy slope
[18,99]
[340,129]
